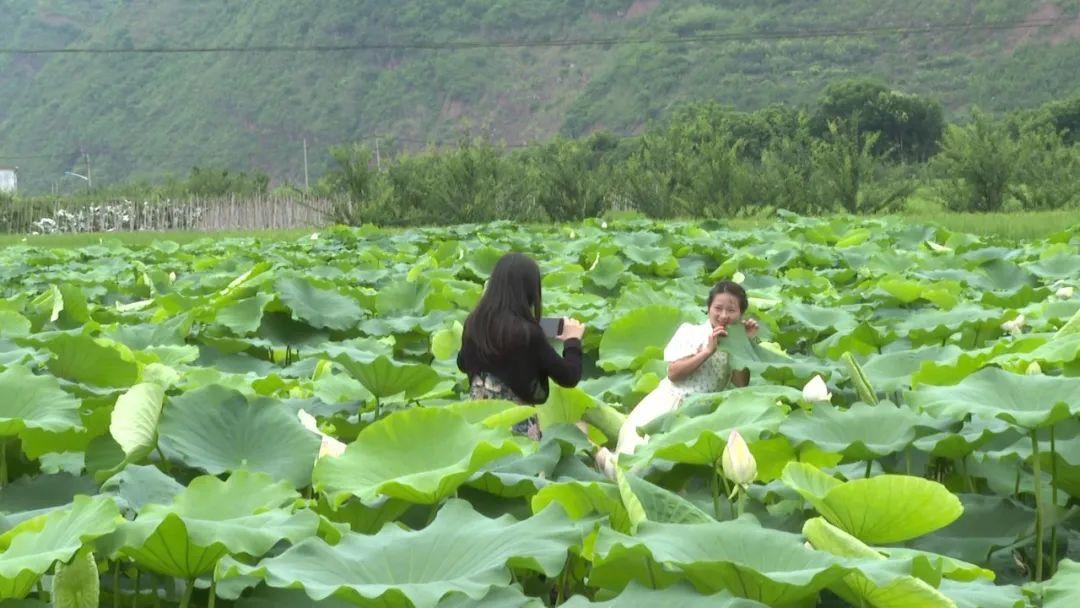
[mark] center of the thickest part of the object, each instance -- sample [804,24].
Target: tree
[908,127]
[977,165]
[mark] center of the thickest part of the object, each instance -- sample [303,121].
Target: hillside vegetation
[149,115]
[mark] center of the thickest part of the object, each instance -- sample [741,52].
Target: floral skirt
[486,386]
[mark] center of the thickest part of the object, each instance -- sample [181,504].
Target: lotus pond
[172,421]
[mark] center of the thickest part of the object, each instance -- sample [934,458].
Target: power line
[717,37]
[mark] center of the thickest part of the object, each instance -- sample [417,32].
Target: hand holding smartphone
[552,326]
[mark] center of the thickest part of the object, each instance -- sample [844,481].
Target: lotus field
[238,423]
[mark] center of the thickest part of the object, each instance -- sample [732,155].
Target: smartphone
[552,326]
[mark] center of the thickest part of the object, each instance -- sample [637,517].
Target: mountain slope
[145,115]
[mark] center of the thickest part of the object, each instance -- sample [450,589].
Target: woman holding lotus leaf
[696,364]
[504,350]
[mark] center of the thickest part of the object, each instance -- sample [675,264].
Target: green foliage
[147,116]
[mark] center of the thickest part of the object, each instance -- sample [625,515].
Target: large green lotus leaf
[29,497]
[31,548]
[892,371]
[461,552]
[138,485]
[862,432]
[215,429]
[930,326]
[972,435]
[1056,351]
[564,406]
[318,305]
[638,336]
[646,501]
[401,297]
[819,318]
[78,584]
[878,510]
[682,595]
[97,362]
[580,499]
[386,378]
[519,475]
[244,317]
[135,419]
[1061,590]
[606,272]
[984,595]
[499,597]
[421,455]
[769,566]
[701,440]
[35,402]
[1026,401]
[859,589]
[244,514]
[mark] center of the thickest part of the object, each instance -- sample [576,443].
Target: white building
[9,179]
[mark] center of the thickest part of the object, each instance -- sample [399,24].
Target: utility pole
[306,189]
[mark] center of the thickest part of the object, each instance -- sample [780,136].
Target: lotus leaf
[1028,402]
[209,520]
[217,430]
[34,402]
[877,510]
[31,548]
[420,455]
[461,552]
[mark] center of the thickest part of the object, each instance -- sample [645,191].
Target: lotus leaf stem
[41,591]
[138,588]
[742,501]
[213,594]
[1037,467]
[186,600]
[3,462]
[907,460]
[1054,501]
[715,494]
[116,584]
[869,464]
[967,476]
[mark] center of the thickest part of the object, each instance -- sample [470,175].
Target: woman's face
[724,310]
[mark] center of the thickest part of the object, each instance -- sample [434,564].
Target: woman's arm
[565,370]
[681,369]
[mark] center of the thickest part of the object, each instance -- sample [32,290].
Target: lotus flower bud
[1014,326]
[1034,369]
[314,236]
[1065,292]
[330,445]
[603,225]
[737,461]
[816,390]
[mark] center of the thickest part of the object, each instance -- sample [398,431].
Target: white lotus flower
[330,446]
[738,277]
[816,390]
[1014,326]
[1065,292]
[1034,369]
[314,236]
[737,461]
[172,277]
[603,225]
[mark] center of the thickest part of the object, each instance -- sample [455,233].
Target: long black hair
[730,288]
[511,302]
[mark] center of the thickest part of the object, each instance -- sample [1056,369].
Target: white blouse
[714,372]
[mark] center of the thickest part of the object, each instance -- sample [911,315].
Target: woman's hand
[718,332]
[751,327]
[572,329]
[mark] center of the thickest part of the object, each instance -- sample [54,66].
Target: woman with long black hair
[505,352]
